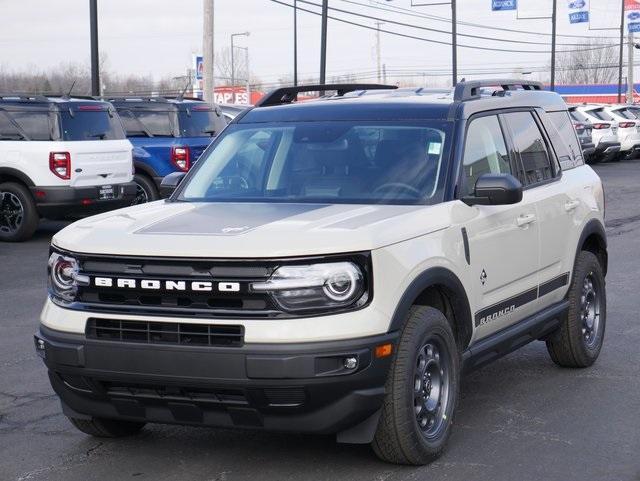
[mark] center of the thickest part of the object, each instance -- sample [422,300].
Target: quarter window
[529,143]
[485,151]
[564,140]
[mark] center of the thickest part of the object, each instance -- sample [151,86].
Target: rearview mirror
[170,182]
[495,189]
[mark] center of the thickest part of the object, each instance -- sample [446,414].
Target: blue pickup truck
[168,135]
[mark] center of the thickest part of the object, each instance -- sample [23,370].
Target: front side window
[485,151]
[530,144]
[323,162]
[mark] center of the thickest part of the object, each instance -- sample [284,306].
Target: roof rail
[470,89]
[74,96]
[32,97]
[287,95]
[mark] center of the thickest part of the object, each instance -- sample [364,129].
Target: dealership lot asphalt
[521,418]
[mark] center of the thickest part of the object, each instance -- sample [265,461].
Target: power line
[429,40]
[405,11]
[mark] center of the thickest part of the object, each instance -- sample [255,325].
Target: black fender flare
[437,276]
[144,169]
[594,227]
[21,176]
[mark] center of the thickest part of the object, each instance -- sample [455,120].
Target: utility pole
[233,64]
[553,44]
[630,67]
[622,2]
[295,42]
[95,60]
[384,73]
[454,42]
[323,42]
[378,25]
[207,51]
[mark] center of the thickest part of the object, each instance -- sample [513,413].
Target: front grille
[166,393]
[165,333]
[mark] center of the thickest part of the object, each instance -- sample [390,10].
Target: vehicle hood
[248,230]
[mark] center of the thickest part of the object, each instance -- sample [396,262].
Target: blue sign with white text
[634,27]
[579,17]
[500,5]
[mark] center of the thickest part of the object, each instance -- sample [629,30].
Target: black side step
[508,340]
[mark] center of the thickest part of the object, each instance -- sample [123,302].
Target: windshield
[200,122]
[323,162]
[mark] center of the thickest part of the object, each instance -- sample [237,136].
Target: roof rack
[32,97]
[287,95]
[470,89]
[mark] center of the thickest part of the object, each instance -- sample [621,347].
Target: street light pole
[622,2]
[233,65]
[95,60]
[323,42]
[454,42]
[295,42]
[208,84]
[553,44]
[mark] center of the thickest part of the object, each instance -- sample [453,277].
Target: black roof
[48,101]
[391,103]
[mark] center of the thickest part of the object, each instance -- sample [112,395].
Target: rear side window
[485,151]
[149,123]
[90,124]
[530,144]
[564,140]
[27,124]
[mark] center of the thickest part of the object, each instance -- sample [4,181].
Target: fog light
[350,362]
[40,346]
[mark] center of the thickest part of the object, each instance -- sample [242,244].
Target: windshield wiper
[16,136]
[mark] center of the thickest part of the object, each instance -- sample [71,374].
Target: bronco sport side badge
[483,276]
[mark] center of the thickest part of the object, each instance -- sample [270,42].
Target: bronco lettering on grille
[155,284]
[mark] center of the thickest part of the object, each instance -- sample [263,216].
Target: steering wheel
[391,186]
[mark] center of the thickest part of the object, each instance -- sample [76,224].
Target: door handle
[525,220]
[571,205]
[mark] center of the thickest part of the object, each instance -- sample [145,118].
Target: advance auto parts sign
[632,14]
[578,11]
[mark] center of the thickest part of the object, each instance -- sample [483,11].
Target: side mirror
[170,182]
[495,189]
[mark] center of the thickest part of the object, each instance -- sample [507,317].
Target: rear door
[99,151]
[503,240]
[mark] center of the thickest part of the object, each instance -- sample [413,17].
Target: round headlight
[63,276]
[341,285]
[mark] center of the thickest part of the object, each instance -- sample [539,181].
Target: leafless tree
[593,62]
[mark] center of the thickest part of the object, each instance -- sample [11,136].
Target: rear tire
[107,428]
[421,391]
[146,190]
[18,213]
[578,341]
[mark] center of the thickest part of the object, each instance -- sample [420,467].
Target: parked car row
[607,132]
[63,156]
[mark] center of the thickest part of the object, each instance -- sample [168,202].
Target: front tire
[146,190]
[107,428]
[578,341]
[18,213]
[421,391]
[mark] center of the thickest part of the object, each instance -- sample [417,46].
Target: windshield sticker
[435,148]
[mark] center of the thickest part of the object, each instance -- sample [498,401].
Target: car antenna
[184,90]
[68,94]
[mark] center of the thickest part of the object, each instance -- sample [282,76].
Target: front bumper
[281,387]
[66,201]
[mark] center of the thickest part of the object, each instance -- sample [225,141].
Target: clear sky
[158,37]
